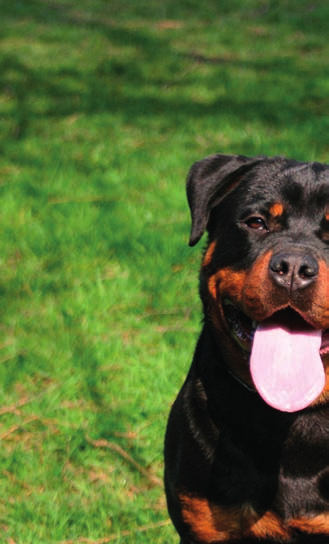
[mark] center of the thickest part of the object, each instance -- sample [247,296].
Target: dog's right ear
[208,182]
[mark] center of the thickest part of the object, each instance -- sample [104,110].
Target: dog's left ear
[208,181]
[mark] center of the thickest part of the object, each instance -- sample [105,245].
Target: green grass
[104,105]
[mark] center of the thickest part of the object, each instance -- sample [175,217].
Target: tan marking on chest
[211,523]
[317,525]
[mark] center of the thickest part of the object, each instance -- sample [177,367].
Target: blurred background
[104,106]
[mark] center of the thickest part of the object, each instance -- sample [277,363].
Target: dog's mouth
[242,327]
[285,356]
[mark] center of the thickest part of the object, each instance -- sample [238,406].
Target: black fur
[227,453]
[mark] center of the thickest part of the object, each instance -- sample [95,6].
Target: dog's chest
[302,496]
[303,480]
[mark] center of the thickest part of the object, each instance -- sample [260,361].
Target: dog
[247,440]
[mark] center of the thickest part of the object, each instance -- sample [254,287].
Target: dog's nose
[293,270]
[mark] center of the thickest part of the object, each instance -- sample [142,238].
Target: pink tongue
[285,364]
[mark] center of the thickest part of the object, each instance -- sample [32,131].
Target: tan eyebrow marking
[277,209]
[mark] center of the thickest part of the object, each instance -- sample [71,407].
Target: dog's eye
[256,223]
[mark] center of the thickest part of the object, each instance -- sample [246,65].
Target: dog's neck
[239,380]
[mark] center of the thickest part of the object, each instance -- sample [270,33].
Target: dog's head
[265,271]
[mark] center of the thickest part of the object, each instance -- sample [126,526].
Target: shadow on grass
[136,82]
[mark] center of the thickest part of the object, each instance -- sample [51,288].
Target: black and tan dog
[247,444]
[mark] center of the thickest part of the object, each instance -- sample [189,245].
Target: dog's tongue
[285,363]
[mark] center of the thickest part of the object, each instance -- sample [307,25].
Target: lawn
[104,105]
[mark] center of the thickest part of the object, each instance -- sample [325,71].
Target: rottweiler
[247,441]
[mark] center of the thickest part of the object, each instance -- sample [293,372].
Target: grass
[104,105]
